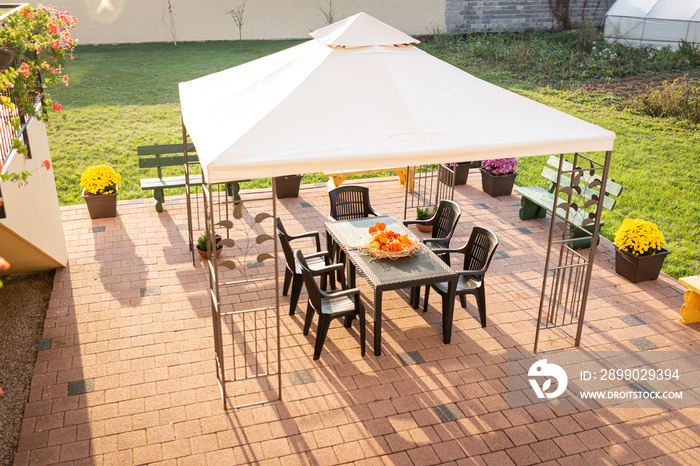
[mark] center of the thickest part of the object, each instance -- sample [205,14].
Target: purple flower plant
[500,166]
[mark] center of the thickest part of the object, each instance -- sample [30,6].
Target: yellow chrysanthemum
[100,179]
[639,237]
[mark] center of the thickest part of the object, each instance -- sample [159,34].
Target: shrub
[680,99]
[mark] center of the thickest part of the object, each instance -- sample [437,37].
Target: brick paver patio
[126,374]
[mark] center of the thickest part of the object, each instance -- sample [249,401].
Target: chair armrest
[418,222]
[476,273]
[308,234]
[439,251]
[328,268]
[438,241]
[317,254]
[341,293]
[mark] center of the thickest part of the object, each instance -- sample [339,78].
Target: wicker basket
[412,249]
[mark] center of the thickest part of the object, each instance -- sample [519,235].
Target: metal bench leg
[582,240]
[160,198]
[232,190]
[530,210]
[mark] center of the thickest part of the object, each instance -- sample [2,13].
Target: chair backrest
[480,248]
[446,216]
[284,241]
[309,280]
[351,201]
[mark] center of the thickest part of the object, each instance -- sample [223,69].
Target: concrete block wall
[517,15]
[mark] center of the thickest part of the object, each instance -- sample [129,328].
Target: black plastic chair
[443,222]
[348,202]
[478,253]
[351,201]
[292,273]
[329,306]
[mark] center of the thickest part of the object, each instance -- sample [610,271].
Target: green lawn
[123,96]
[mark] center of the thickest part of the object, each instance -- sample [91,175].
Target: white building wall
[31,235]
[125,21]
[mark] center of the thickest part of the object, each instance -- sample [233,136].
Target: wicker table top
[349,234]
[389,274]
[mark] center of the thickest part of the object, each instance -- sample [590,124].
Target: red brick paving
[156,400]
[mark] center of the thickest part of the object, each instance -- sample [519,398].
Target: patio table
[424,268]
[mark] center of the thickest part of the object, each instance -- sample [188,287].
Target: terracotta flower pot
[497,185]
[101,205]
[425,228]
[204,253]
[639,268]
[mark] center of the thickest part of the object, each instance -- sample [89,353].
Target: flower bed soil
[634,86]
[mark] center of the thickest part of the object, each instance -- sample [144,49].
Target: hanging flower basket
[7,56]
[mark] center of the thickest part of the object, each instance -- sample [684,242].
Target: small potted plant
[639,251]
[498,176]
[100,185]
[425,213]
[202,244]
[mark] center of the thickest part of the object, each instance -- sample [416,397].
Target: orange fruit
[372,229]
[381,226]
[404,239]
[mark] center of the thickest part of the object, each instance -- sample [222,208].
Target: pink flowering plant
[41,41]
[500,167]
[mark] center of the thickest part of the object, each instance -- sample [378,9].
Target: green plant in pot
[202,244]
[425,213]
[639,251]
[100,185]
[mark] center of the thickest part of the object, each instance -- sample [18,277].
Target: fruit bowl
[382,243]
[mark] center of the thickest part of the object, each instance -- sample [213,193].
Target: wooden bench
[171,155]
[162,155]
[337,178]
[690,311]
[537,201]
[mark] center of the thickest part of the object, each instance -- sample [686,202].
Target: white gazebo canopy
[360,95]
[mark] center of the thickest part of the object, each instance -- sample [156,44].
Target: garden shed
[653,23]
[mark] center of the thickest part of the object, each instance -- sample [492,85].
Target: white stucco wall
[124,21]
[31,237]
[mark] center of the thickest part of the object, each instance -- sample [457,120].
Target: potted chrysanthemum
[100,185]
[639,251]
[498,176]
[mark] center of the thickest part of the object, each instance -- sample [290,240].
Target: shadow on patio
[129,375]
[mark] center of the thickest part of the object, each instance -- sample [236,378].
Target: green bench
[537,201]
[171,155]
